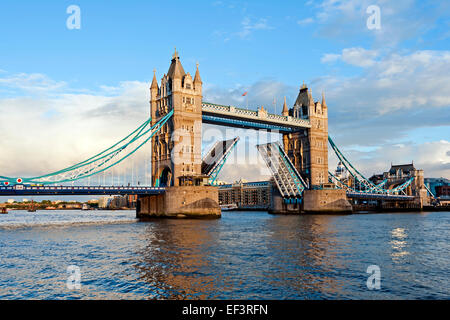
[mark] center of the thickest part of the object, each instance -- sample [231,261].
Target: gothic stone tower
[308,149]
[176,148]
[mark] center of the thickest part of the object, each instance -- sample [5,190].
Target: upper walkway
[248,119]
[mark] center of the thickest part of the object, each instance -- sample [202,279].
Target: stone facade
[308,149]
[326,201]
[176,148]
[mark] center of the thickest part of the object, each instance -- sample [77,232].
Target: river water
[244,255]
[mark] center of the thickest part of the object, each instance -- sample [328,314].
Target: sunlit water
[244,255]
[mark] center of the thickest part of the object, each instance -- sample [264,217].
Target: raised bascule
[184,185]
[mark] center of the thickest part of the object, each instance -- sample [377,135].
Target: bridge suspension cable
[365,185]
[102,161]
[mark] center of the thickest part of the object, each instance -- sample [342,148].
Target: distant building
[246,194]
[131,201]
[10,201]
[341,172]
[25,200]
[118,202]
[443,191]
[103,202]
[399,174]
[434,183]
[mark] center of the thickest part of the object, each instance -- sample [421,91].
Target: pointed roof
[324,103]
[285,111]
[405,168]
[197,78]
[176,70]
[304,97]
[154,81]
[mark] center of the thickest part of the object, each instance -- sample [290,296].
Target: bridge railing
[41,188]
[256,115]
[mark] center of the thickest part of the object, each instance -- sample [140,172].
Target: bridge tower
[176,148]
[308,148]
[308,151]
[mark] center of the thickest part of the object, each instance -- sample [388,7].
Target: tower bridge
[183,182]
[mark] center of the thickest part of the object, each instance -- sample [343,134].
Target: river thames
[243,255]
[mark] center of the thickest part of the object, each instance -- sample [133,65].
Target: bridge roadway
[379,196]
[22,190]
[353,195]
[242,118]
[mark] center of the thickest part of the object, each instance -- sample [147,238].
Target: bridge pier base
[327,201]
[280,207]
[199,202]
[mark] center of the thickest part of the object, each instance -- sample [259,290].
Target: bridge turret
[176,73]
[177,146]
[324,103]
[153,95]
[308,149]
[285,111]
[198,81]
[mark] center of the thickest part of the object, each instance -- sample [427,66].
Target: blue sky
[388,90]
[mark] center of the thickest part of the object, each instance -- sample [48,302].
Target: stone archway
[166,178]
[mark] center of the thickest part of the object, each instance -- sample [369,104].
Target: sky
[68,93]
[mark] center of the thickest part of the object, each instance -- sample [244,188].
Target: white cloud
[401,20]
[393,82]
[44,133]
[249,26]
[34,82]
[354,56]
[305,21]
[359,57]
[330,57]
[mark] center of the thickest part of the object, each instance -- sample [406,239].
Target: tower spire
[176,70]
[154,81]
[285,111]
[197,78]
[175,54]
[324,104]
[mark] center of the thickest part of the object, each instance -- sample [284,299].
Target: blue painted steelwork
[378,196]
[365,185]
[286,177]
[298,180]
[215,119]
[22,190]
[259,116]
[216,170]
